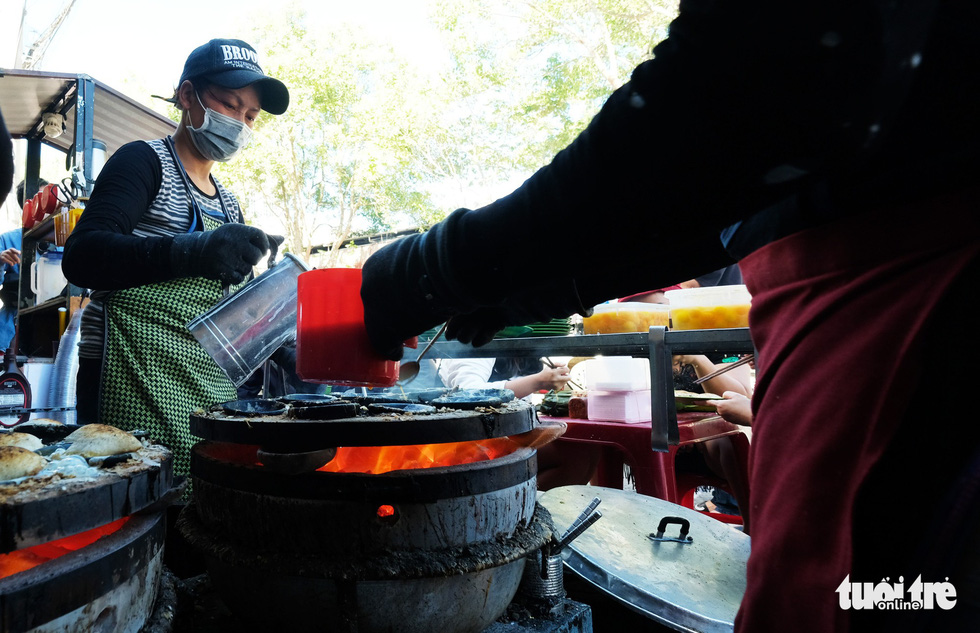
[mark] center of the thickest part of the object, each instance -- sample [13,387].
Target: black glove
[555,301]
[416,284]
[399,298]
[226,254]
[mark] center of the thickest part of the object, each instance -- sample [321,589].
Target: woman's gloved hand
[399,300]
[226,254]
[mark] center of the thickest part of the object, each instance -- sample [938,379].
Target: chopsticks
[725,367]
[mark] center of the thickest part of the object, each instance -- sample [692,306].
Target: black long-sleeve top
[120,242]
[102,251]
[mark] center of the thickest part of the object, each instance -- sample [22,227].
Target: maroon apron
[838,316]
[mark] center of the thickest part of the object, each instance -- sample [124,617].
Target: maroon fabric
[838,315]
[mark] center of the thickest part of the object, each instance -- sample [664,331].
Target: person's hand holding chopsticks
[735,408]
[718,378]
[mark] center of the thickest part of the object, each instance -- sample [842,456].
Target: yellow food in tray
[710,317]
[624,317]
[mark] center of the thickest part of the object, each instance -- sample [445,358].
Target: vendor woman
[159,242]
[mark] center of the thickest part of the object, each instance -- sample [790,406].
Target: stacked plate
[514,331]
[554,327]
[690,401]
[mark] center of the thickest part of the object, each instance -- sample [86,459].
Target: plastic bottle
[15,392]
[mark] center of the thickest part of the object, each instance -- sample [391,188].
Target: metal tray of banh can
[689,579]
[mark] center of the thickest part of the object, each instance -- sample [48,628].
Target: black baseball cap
[235,64]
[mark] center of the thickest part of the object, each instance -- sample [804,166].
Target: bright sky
[114,41]
[138,47]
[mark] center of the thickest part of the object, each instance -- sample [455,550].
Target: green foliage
[370,143]
[337,163]
[553,63]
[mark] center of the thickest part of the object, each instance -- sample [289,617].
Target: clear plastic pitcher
[47,280]
[244,329]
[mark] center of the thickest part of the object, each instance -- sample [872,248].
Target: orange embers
[29,557]
[382,459]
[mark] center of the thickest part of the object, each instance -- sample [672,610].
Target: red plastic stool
[653,471]
[688,502]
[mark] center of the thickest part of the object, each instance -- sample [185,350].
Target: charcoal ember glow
[63,528]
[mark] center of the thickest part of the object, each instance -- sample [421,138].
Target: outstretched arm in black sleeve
[742,104]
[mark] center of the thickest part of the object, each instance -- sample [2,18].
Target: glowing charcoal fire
[30,557]
[376,460]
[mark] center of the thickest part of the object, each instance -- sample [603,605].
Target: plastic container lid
[630,306]
[711,296]
[56,252]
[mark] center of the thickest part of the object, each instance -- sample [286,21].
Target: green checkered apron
[155,373]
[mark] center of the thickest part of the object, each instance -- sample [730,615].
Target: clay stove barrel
[412,550]
[353,514]
[291,429]
[86,584]
[112,581]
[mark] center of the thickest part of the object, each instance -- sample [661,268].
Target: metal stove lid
[695,585]
[380,429]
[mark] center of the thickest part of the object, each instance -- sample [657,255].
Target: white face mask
[220,137]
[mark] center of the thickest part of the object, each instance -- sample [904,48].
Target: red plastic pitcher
[47,200]
[332,344]
[28,218]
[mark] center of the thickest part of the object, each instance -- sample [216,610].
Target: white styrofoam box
[617,373]
[619,406]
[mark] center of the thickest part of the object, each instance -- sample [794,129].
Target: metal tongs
[583,522]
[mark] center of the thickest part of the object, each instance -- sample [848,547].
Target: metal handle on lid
[683,538]
[273,251]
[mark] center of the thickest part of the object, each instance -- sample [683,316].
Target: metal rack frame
[658,346]
[93,112]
